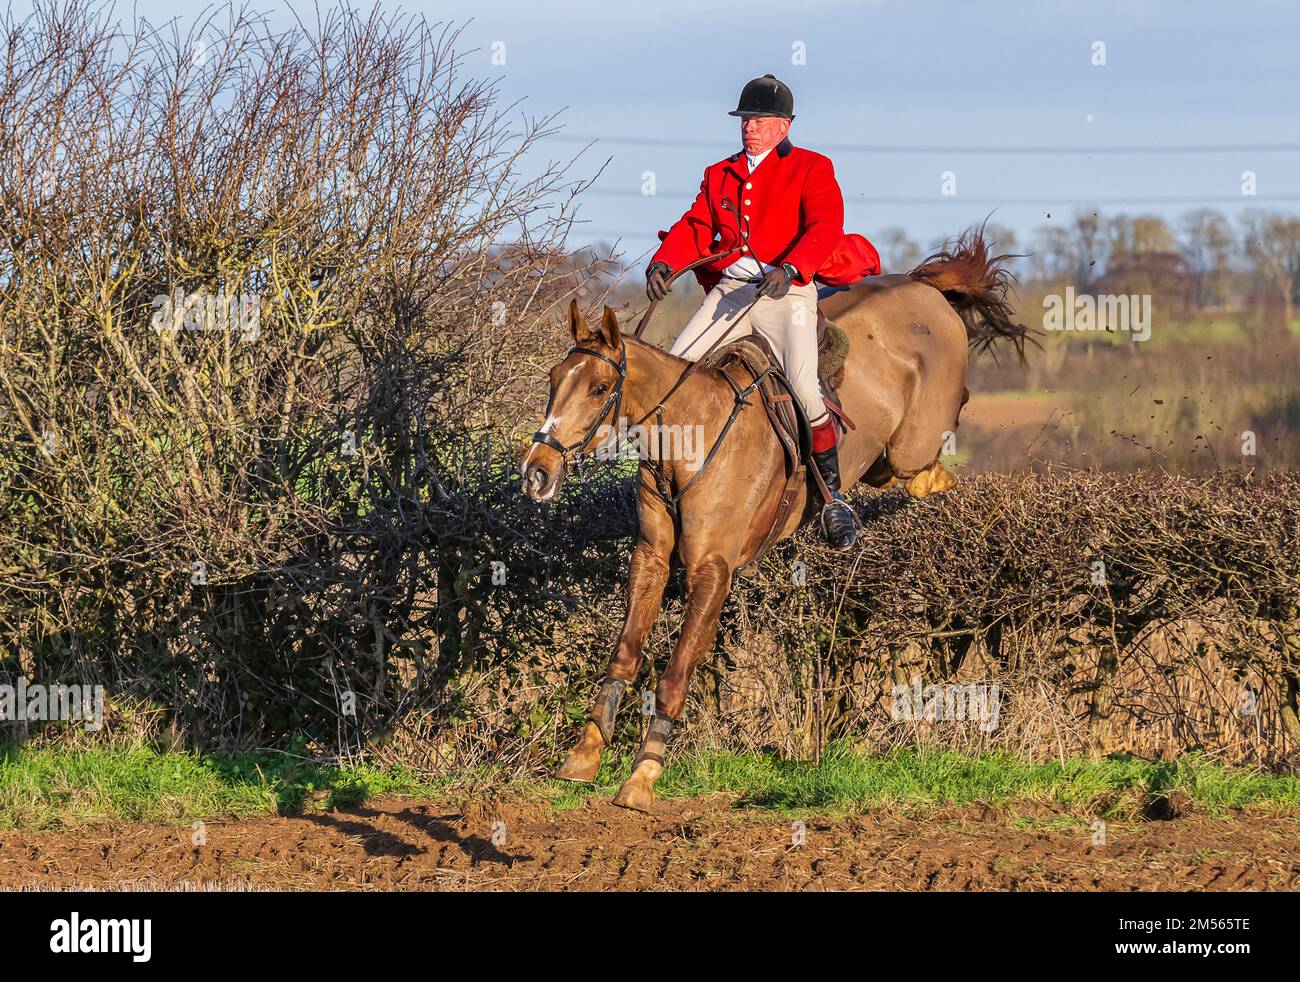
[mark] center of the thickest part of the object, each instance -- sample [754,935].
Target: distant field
[1089,399]
[1000,410]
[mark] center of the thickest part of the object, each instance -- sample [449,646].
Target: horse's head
[586,393]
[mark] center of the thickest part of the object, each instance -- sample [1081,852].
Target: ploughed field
[686,844]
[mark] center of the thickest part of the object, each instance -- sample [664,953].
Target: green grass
[1219,331]
[51,788]
[1172,334]
[57,788]
[849,781]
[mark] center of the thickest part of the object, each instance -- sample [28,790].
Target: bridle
[614,403]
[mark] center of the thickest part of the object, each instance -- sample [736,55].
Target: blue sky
[944,73]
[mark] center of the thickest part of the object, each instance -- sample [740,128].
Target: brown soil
[1000,412]
[691,844]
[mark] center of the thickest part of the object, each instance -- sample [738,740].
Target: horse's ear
[609,328]
[577,326]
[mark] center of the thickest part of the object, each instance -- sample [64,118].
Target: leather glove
[775,283]
[656,280]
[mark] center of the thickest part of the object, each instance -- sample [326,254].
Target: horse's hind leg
[879,474]
[645,590]
[913,450]
[707,584]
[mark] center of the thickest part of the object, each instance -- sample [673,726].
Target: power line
[719,146]
[859,199]
[647,233]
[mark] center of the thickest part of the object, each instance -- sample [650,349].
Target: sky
[1000,98]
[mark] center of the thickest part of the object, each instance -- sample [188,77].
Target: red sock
[823,436]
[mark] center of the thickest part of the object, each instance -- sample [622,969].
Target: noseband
[614,402]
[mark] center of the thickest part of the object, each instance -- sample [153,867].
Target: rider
[787,204]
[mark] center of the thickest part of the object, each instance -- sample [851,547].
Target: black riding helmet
[766,96]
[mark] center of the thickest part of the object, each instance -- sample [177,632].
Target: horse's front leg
[708,582]
[647,578]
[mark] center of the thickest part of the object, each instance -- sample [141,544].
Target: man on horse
[777,213]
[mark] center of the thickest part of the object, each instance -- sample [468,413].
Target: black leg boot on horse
[637,791]
[839,524]
[583,761]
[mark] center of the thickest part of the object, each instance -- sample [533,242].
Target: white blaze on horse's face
[580,390]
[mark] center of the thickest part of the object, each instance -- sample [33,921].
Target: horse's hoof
[578,766]
[943,481]
[935,479]
[918,486]
[638,791]
[635,795]
[583,761]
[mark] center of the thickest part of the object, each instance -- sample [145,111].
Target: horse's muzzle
[542,475]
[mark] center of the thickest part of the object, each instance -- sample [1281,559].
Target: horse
[903,385]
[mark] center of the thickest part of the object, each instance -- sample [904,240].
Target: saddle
[754,355]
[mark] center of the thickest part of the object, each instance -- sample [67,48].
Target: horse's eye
[600,390]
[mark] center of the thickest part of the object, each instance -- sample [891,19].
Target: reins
[741,396]
[645,318]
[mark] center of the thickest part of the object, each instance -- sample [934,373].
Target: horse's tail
[976,284]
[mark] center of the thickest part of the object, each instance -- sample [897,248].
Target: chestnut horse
[904,386]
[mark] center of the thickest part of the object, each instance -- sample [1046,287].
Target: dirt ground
[691,844]
[998,411]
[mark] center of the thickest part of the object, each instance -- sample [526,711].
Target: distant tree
[1162,273]
[1091,247]
[1000,238]
[1052,253]
[1208,244]
[898,252]
[1271,242]
[1142,233]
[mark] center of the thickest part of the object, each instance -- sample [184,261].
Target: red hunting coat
[796,215]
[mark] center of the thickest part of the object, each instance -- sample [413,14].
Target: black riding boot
[838,523]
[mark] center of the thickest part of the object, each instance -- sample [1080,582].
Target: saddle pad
[756,352]
[830,359]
